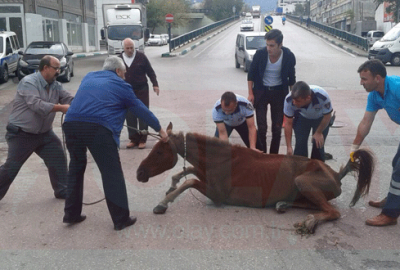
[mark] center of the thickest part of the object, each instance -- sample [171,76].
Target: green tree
[393,7]
[222,9]
[157,9]
[299,9]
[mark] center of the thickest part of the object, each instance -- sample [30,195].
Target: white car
[248,16]
[166,37]
[246,46]
[155,40]
[247,25]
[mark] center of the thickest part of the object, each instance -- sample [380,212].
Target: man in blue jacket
[94,121]
[271,74]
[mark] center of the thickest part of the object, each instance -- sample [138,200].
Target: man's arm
[60,108]
[223,134]
[364,127]
[252,132]
[318,136]
[251,94]
[288,134]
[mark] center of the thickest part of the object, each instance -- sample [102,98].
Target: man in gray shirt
[39,96]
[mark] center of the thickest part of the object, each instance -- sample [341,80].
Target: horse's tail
[363,165]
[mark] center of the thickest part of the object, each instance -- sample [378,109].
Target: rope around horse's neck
[145,132]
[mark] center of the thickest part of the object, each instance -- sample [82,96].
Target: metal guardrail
[181,40]
[358,41]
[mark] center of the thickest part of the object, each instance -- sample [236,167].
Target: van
[387,49]
[373,36]
[9,46]
[246,46]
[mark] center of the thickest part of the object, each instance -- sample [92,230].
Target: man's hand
[255,149]
[319,139]
[251,99]
[156,90]
[289,151]
[164,135]
[60,108]
[354,147]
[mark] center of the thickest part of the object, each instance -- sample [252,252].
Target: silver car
[246,46]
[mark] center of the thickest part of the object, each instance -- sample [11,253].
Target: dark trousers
[392,206]
[275,98]
[243,131]
[47,146]
[142,93]
[302,127]
[81,136]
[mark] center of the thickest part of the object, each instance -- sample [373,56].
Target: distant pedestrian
[30,126]
[307,108]
[271,74]
[234,112]
[308,22]
[384,93]
[94,121]
[137,67]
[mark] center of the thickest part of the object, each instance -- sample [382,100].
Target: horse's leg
[177,177]
[318,187]
[194,183]
[282,206]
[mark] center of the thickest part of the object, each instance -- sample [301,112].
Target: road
[194,233]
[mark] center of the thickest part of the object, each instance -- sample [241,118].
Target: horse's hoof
[160,209]
[281,207]
[170,190]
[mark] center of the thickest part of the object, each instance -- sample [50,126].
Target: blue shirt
[391,100]
[243,110]
[319,106]
[104,98]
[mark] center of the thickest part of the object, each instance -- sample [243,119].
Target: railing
[354,39]
[181,40]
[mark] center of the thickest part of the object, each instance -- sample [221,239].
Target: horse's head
[162,157]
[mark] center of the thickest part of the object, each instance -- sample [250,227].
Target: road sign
[268,28]
[268,20]
[169,18]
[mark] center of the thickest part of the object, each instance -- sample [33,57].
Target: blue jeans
[392,206]
[302,127]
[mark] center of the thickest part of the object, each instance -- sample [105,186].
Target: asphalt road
[194,233]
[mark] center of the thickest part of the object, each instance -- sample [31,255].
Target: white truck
[256,11]
[124,21]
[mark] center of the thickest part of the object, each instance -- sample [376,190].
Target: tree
[222,9]
[157,9]
[299,9]
[394,6]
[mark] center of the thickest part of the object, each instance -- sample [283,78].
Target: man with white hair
[137,67]
[94,121]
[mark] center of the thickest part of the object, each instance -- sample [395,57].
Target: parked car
[9,46]
[247,25]
[246,46]
[29,63]
[155,40]
[373,36]
[166,37]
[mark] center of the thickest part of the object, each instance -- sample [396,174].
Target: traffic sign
[169,18]
[268,28]
[268,20]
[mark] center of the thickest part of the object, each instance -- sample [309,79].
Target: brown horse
[235,175]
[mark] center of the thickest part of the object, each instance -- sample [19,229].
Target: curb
[81,55]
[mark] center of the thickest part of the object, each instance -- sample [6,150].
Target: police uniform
[236,120]
[307,118]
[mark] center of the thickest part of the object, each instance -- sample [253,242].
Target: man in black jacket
[271,74]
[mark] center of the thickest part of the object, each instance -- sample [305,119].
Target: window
[45,49]
[8,45]
[1,45]
[16,27]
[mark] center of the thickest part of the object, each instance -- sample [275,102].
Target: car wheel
[237,65]
[4,74]
[72,70]
[246,68]
[395,61]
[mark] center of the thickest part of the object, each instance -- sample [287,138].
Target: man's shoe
[60,195]
[378,204]
[131,145]
[74,220]
[129,222]
[381,220]
[142,145]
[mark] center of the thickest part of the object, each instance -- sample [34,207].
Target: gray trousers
[21,145]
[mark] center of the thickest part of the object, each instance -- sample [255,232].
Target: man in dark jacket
[271,74]
[137,67]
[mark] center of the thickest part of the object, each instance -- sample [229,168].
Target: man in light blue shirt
[234,112]
[307,107]
[384,93]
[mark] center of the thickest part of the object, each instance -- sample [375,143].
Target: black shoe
[60,195]
[130,221]
[75,220]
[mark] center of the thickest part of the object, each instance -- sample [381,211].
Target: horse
[235,175]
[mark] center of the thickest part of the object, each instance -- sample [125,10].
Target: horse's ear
[169,129]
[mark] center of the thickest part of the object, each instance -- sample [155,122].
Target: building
[70,21]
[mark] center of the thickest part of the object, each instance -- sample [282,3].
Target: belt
[275,87]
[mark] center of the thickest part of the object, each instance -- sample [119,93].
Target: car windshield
[254,43]
[392,35]
[1,45]
[121,32]
[41,48]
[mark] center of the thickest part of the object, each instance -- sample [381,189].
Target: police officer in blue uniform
[234,112]
[307,107]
